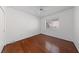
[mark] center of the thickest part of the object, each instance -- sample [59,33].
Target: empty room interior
[39,29]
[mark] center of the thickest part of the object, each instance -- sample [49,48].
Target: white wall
[20,25]
[65,31]
[76,27]
[2,35]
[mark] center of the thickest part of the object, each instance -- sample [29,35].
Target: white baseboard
[77,45]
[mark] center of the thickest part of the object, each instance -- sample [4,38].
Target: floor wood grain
[40,44]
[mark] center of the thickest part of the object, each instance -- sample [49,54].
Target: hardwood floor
[40,44]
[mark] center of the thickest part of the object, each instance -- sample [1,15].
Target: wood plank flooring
[40,44]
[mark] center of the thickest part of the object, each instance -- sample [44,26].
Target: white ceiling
[47,10]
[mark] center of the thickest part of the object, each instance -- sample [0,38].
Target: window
[53,23]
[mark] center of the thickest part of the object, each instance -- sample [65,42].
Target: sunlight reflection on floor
[51,47]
